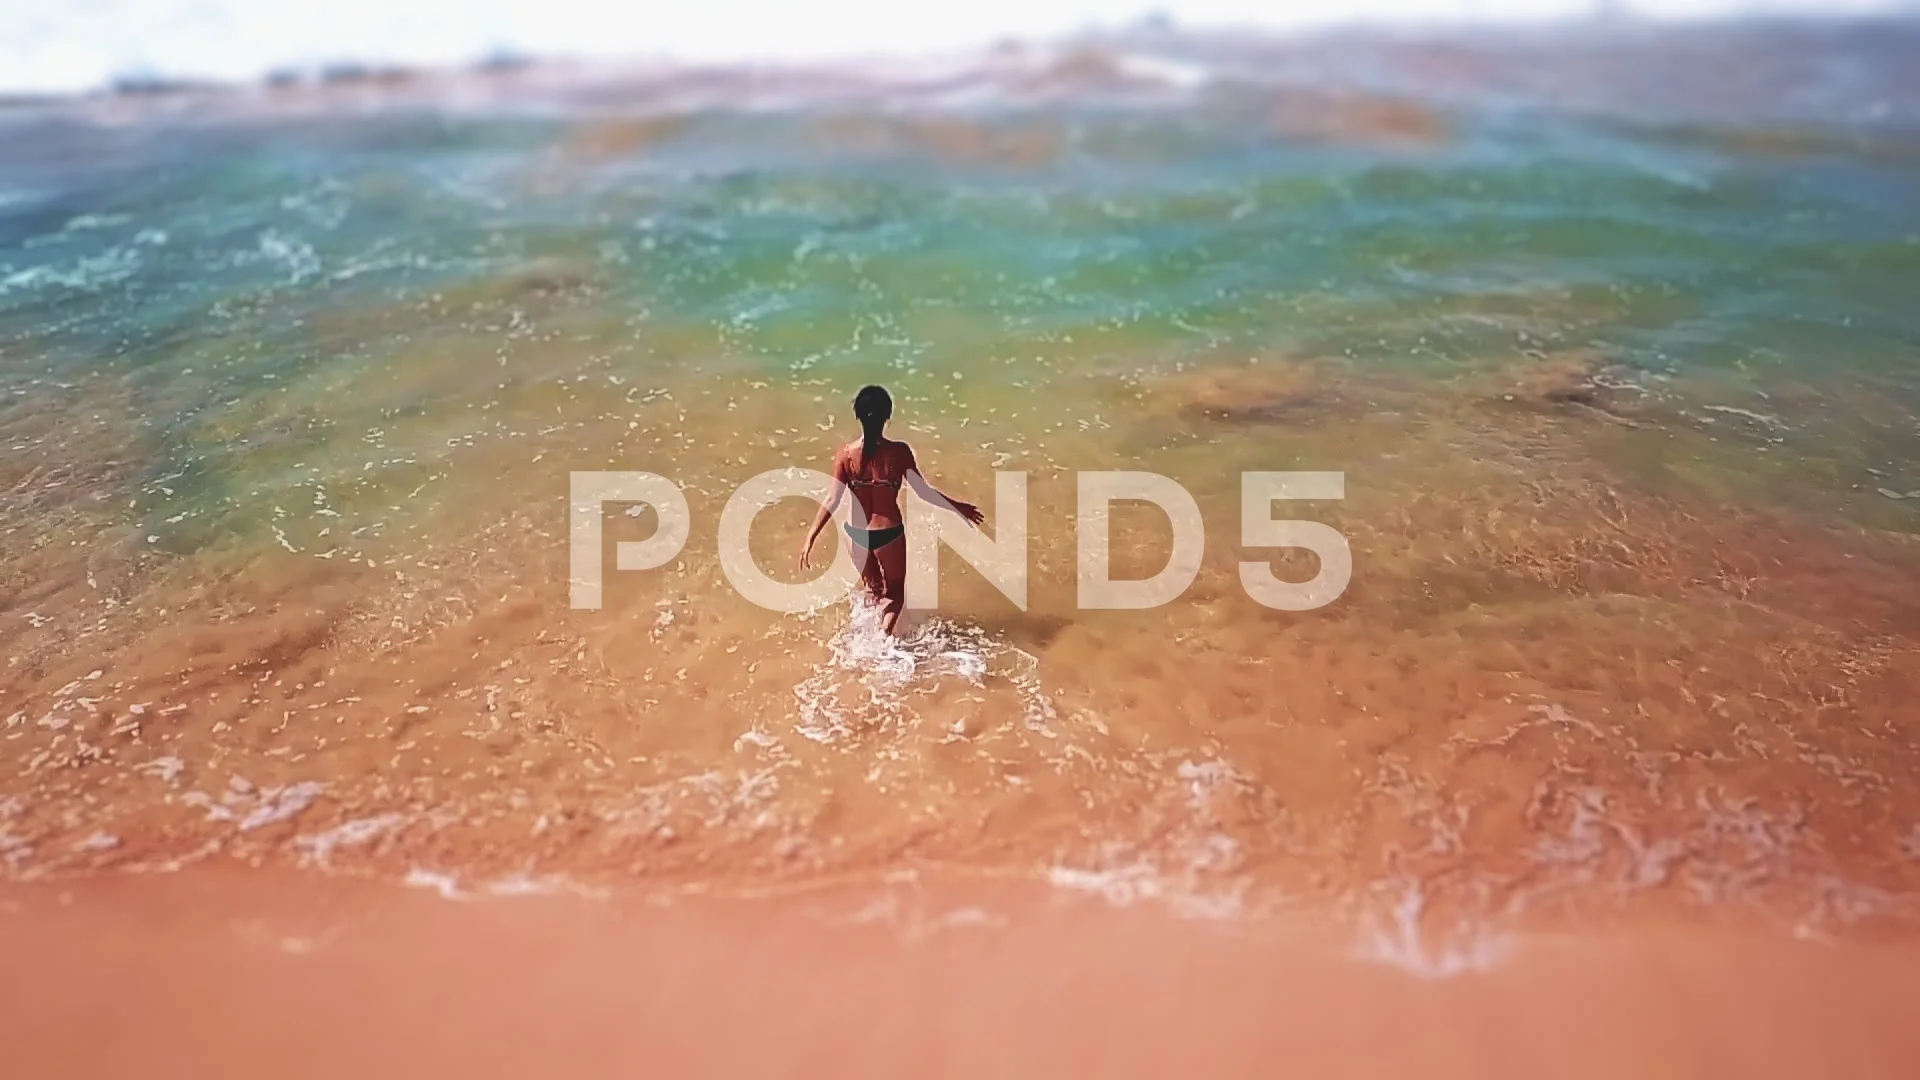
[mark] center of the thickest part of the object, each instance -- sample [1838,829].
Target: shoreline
[219,969]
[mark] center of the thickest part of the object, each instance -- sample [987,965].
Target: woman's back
[875,478]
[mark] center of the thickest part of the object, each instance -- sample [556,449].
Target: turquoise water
[830,243]
[832,234]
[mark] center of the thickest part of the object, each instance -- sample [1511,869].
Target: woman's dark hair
[872,407]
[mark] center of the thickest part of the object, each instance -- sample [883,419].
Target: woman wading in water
[875,467]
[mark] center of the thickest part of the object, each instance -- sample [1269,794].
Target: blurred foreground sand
[223,972]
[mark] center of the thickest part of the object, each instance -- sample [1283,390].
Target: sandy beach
[228,971]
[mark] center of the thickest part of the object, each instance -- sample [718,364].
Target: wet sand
[227,971]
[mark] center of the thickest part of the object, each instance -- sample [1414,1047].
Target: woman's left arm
[968,512]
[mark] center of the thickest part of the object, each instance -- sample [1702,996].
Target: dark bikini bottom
[875,539]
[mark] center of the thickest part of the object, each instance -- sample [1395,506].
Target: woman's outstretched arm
[967,511]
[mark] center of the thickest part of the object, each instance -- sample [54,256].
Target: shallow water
[1623,384]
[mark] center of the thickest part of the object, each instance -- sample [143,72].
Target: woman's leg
[871,579]
[892,563]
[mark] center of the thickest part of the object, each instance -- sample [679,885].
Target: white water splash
[869,676]
[1398,940]
[445,884]
[1120,886]
[279,804]
[166,768]
[317,848]
[523,884]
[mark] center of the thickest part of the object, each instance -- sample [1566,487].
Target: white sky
[72,45]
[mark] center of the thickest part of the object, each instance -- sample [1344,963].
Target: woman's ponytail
[872,406]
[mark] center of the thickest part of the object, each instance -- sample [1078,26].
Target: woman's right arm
[827,506]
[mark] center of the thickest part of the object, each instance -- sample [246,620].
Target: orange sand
[230,972]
